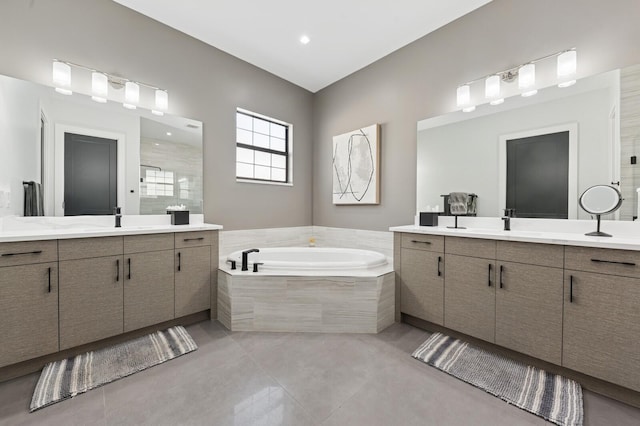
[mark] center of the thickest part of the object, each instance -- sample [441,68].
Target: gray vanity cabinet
[422,277]
[28,311]
[91,290]
[602,315]
[148,280]
[192,270]
[469,302]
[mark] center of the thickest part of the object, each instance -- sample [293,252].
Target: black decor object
[429,218]
[179,217]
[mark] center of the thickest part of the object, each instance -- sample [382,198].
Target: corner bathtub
[331,290]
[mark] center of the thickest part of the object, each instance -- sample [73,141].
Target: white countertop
[625,234]
[14,229]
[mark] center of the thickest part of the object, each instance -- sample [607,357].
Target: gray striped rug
[67,378]
[552,397]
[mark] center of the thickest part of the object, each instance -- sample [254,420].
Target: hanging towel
[33,199]
[458,202]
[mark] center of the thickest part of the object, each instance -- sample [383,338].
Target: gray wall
[204,83]
[419,81]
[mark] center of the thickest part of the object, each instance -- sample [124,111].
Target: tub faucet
[116,211]
[245,255]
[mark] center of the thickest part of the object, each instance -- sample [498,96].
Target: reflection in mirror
[599,200]
[467,152]
[86,158]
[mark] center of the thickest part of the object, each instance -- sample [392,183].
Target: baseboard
[31,366]
[619,393]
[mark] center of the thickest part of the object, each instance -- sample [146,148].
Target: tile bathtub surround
[245,378]
[380,241]
[306,304]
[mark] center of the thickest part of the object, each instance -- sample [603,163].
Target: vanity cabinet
[91,290]
[422,277]
[148,280]
[529,299]
[192,272]
[28,311]
[602,315]
[469,302]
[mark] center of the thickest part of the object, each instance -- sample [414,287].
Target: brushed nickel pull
[21,253]
[614,262]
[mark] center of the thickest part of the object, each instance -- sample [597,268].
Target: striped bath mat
[552,397]
[67,378]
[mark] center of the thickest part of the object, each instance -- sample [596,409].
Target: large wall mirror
[89,157]
[557,144]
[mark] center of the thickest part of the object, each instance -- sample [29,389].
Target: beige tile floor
[247,378]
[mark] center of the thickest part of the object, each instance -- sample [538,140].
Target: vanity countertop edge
[565,239]
[60,234]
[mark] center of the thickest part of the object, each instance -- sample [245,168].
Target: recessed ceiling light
[305,39]
[157,144]
[168,133]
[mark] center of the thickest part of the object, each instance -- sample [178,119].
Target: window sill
[264,182]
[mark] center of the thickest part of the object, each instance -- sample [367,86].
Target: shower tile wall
[629,139]
[185,161]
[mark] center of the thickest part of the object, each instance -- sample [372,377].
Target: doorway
[90,175]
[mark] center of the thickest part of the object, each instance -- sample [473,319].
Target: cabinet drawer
[27,252]
[605,261]
[473,247]
[530,253]
[423,242]
[192,239]
[84,248]
[148,242]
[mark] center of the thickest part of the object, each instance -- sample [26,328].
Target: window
[262,148]
[159,183]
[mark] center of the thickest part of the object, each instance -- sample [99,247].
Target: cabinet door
[193,280]
[529,310]
[148,289]
[28,312]
[91,300]
[602,327]
[470,298]
[422,284]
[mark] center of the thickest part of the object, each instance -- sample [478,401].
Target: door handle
[489,278]
[49,279]
[439,261]
[194,239]
[616,262]
[117,270]
[423,242]
[570,288]
[129,266]
[179,261]
[501,271]
[21,253]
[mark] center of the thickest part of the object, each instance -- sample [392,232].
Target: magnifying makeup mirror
[599,200]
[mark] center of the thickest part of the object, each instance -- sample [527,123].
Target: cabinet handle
[614,262]
[439,261]
[489,278]
[22,253]
[423,242]
[501,270]
[194,239]
[129,266]
[49,279]
[117,270]
[179,262]
[570,288]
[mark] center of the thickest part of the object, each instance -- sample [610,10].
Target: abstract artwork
[356,169]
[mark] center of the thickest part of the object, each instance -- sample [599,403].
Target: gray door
[90,175]
[538,176]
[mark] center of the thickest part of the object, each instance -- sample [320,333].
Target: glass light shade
[61,77]
[99,87]
[492,87]
[463,95]
[527,76]
[567,67]
[162,100]
[131,92]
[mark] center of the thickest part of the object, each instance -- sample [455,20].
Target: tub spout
[245,256]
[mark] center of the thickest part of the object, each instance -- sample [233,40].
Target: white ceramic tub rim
[312,259]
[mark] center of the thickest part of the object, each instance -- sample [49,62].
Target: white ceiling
[346,35]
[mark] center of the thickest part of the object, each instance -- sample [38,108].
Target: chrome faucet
[245,255]
[116,211]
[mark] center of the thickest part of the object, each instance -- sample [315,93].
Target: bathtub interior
[313,258]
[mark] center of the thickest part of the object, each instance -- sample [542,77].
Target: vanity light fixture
[525,74]
[100,82]
[305,39]
[62,77]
